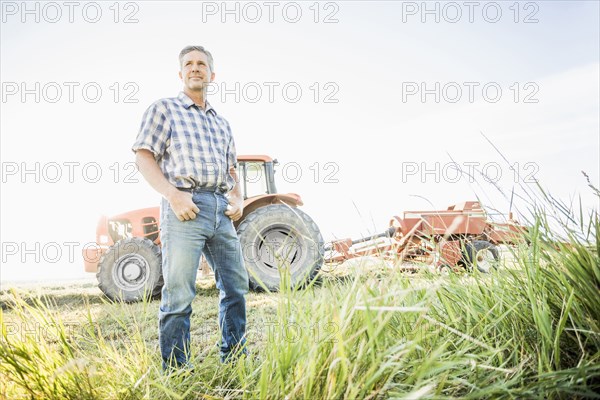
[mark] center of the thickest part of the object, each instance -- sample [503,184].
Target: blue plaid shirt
[193,147]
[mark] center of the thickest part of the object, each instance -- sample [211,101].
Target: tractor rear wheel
[482,254]
[280,241]
[131,270]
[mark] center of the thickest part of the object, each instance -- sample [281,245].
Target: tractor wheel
[482,254]
[278,238]
[131,270]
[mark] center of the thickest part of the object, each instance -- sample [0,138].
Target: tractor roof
[254,157]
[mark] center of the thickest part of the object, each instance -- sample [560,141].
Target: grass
[529,331]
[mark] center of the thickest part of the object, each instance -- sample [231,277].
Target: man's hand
[181,202]
[182,205]
[235,209]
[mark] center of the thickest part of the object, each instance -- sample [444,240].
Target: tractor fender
[91,256]
[253,203]
[92,253]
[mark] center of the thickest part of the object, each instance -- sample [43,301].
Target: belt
[197,189]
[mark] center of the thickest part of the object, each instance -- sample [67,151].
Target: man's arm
[235,199]
[181,202]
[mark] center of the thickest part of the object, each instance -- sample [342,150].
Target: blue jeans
[213,234]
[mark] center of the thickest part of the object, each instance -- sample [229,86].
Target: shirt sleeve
[231,152]
[154,131]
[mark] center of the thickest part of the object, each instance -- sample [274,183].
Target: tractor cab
[257,175]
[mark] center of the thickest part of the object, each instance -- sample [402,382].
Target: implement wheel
[482,254]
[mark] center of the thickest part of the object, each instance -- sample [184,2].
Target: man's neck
[197,97]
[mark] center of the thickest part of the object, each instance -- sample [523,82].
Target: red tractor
[276,236]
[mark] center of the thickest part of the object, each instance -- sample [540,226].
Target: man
[186,152]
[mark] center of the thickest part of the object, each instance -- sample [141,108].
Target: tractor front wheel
[131,270]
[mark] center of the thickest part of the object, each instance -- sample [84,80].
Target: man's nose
[195,67]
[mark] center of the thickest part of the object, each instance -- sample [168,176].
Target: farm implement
[458,237]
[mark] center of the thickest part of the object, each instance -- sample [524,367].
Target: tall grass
[529,331]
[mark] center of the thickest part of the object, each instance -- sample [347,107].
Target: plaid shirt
[193,147]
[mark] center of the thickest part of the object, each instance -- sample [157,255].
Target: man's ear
[180,76]
[212,76]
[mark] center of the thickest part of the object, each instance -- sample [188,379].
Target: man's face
[195,72]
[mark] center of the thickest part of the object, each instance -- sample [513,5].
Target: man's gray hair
[201,49]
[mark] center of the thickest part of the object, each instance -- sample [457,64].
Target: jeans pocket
[223,203]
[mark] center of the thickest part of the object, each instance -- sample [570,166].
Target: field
[531,329]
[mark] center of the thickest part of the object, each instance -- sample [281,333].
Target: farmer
[186,152]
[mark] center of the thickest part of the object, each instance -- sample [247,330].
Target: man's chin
[200,87]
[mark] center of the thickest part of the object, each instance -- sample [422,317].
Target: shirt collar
[187,103]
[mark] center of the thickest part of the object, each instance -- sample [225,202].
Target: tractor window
[255,177]
[119,229]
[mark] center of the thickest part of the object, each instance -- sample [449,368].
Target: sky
[369,107]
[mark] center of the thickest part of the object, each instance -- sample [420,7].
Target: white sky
[372,136]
